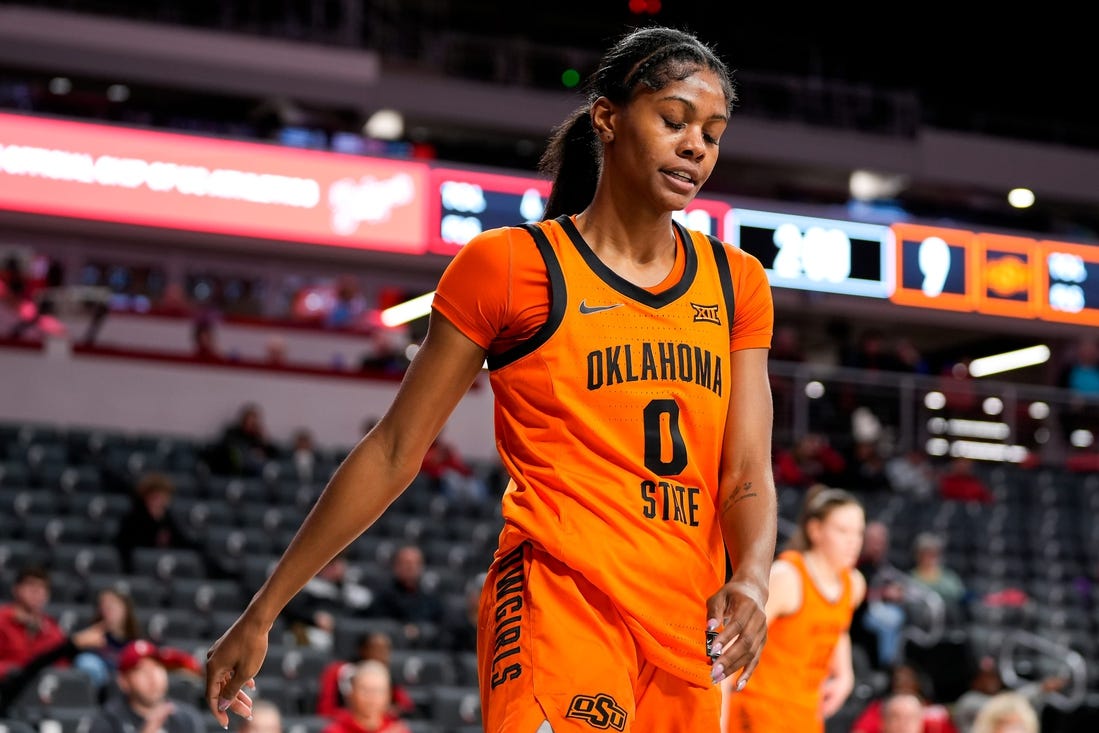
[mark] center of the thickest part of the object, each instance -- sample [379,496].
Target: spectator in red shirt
[906,681]
[336,677]
[959,483]
[455,478]
[812,460]
[25,629]
[368,707]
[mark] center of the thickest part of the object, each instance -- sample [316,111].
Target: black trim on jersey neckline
[724,273]
[558,300]
[624,286]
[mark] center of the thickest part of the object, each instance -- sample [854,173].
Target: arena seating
[62,492]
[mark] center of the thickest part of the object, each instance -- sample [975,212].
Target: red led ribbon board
[191,183]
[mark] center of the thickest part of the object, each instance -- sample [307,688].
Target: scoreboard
[907,264]
[995,274]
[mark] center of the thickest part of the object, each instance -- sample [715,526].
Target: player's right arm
[376,471]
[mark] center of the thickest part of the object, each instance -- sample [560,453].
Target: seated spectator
[882,612]
[204,339]
[115,613]
[304,455]
[987,683]
[454,477]
[1006,712]
[368,708]
[335,679]
[908,357]
[275,351]
[810,461]
[266,718]
[16,679]
[349,305]
[1081,373]
[906,681]
[866,468]
[26,630]
[243,448]
[149,523]
[329,594]
[174,301]
[911,473]
[405,598]
[143,705]
[901,713]
[959,483]
[459,632]
[930,572]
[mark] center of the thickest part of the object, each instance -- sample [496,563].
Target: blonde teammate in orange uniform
[628,359]
[805,673]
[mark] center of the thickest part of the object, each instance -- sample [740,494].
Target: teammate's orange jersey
[610,417]
[784,692]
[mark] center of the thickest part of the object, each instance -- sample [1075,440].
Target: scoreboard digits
[908,264]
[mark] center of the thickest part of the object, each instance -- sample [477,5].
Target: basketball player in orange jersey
[805,673]
[628,360]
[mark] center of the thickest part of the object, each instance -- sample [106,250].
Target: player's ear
[603,119]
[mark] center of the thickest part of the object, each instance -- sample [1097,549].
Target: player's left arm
[841,677]
[748,513]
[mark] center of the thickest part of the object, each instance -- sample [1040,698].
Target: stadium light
[1030,356]
[407,311]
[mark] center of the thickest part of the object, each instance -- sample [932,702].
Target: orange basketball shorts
[552,647]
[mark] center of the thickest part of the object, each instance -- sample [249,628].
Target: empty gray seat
[453,706]
[67,720]
[7,725]
[426,726]
[422,667]
[86,559]
[56,529]
[146,591]
[166,625]
[305,724]
[58,688]
[16,553]
[14,473]
[168,564]
[197,595]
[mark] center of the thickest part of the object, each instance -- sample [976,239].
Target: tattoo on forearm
[740,493]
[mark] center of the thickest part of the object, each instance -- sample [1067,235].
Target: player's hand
[736,611]
[232,663]
[833,693]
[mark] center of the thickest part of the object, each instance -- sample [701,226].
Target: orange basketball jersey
[795,662]
[609,420]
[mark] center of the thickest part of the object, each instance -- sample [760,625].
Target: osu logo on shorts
[600,711]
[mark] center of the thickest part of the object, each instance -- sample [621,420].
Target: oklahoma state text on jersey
[611,402]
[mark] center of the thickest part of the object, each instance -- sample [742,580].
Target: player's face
[666,141]
[839,536]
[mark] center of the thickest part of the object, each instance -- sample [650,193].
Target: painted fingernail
[711,624]
[718,672]
[717,650]
[740,684]
[223,705]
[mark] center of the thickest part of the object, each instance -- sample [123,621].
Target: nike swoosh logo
[589,309]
